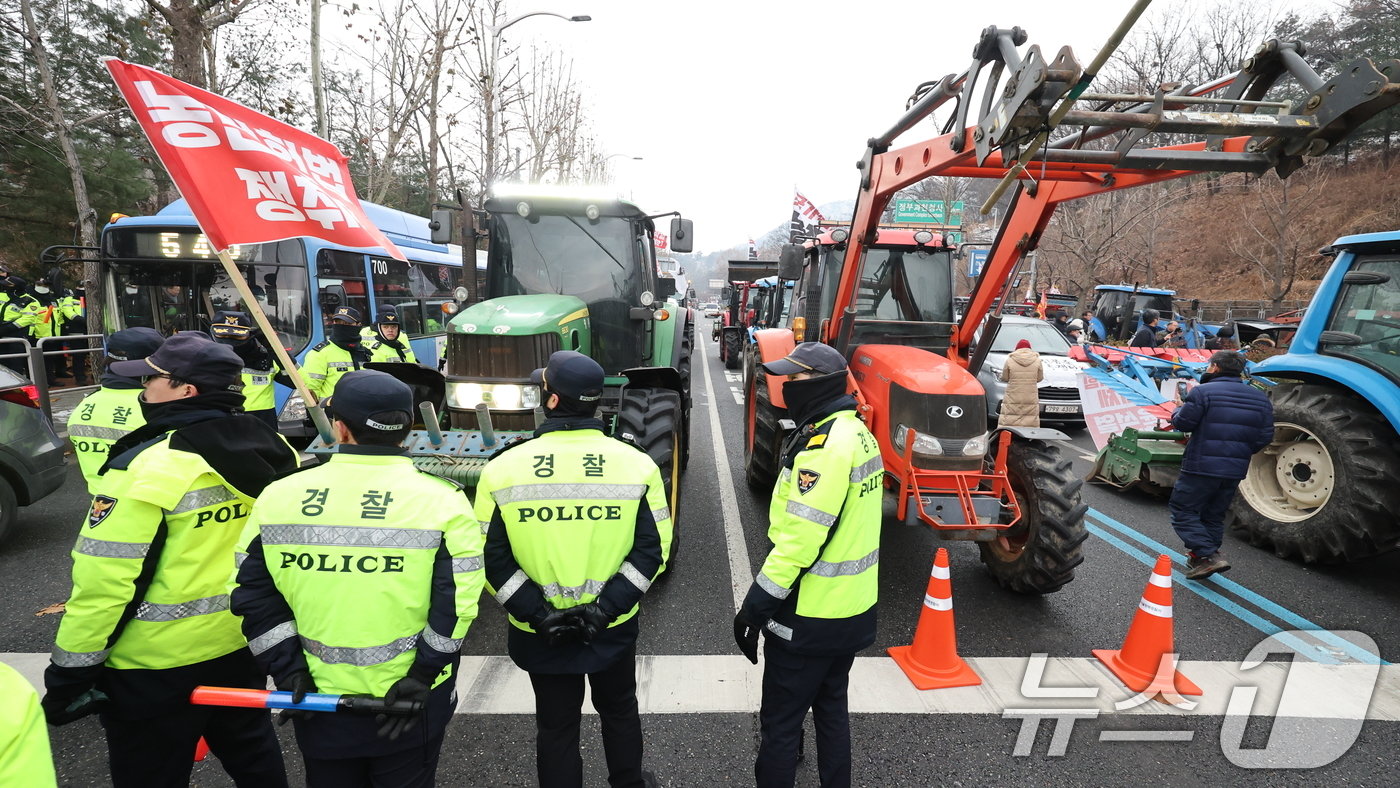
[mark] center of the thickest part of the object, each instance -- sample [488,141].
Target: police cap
[817,357]
[133,344]
[387,316]
[346,314]
[231,325]
[372,399]
[190,356]
[571,374]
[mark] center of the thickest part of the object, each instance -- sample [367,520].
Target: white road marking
[733,377]
[717,684]
[738,396]
[740,571]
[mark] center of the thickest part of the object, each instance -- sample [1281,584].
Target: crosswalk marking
[723,684]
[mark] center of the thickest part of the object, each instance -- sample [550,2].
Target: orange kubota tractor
[885,299]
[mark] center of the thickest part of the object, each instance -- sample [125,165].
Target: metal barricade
[38,371]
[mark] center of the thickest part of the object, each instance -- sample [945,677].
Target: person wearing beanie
[387,341]
[114,410]
[148,618]
[1020,407]
[389,617]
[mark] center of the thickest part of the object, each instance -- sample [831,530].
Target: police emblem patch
[102,506]
[806,480]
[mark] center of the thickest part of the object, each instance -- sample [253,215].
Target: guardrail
[34,355]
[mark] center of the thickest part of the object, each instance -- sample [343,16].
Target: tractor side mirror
[441,227]
[790,262]
[682,236]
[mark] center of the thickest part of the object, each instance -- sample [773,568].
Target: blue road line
[1224,603]
[1296,621]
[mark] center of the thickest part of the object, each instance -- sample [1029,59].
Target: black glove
[560,627]
[746,636]
[63,708]
[405,689]
[299,683]
[592,619]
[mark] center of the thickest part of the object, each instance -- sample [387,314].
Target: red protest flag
[248,178]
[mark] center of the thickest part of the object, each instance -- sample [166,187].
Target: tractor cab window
[914,285]
[595,261]
[1371,313]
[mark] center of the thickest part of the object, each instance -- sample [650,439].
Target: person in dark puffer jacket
[1229,421]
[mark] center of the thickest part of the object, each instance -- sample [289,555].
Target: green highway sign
[926,212]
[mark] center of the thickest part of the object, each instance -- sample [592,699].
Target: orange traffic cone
[1147,661]
[932,662]
[201,750]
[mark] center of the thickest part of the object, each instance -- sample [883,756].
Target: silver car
[1059,391]
[31,453]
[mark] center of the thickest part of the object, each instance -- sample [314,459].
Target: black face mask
[803,397]
[344,335]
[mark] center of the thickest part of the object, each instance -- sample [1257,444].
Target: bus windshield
[171,281]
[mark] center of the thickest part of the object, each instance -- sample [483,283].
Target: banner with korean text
[248,178]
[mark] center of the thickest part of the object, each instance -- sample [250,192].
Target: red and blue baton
[313,701]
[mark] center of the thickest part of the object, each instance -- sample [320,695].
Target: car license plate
[1061,408]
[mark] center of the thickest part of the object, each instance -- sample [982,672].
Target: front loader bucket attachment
[1147,460]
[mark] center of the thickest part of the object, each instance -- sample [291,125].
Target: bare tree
[1276,235]
[191,24]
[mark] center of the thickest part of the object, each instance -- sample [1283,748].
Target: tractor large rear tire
[1325,490]
[1038,554]
[683,366]
[733,348]
[761,447]
[653,420]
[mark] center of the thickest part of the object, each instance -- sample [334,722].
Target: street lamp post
[612,156]
[489,170]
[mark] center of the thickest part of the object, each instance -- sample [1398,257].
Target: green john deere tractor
[568,272]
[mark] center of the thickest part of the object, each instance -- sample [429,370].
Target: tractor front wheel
[733,348]
[761,447]
[1038,554]
[652,419]
[1325,490]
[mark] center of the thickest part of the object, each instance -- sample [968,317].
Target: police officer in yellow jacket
[387,341]
[361,576]
[18,313]
[25,759]
[108,414]
[260,366]
[578,528]
[148,618]
[343,350]
[815,596]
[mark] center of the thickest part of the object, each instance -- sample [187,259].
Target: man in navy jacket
[1229,421]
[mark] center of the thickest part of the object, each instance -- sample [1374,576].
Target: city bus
[160,271]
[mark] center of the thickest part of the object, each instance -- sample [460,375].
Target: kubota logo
[954,412]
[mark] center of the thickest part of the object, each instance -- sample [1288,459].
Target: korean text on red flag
[248,178]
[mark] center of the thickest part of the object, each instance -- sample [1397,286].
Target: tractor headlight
[294,409]
[497,396]
[923,443]
[922,237]
[976,447]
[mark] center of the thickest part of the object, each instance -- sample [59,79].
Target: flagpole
[253,307]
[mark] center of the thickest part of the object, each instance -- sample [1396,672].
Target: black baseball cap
[372,399]
[231,325]
[818,357]
[346,314]
[133,344]
[190,356]
[571,374]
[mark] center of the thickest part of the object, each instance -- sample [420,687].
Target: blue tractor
[1328,488]
[1118,311]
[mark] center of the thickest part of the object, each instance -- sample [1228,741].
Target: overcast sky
[732,103]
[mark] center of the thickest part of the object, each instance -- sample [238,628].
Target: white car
[1059,391]
[711,309]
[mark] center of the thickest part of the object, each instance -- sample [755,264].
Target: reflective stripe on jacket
[151,566]
[819,584]
[326,362]
[574,516]
[99,420]
[363,569]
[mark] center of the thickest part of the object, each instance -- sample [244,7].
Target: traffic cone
[1147,661]
[201,750]
[932,662]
